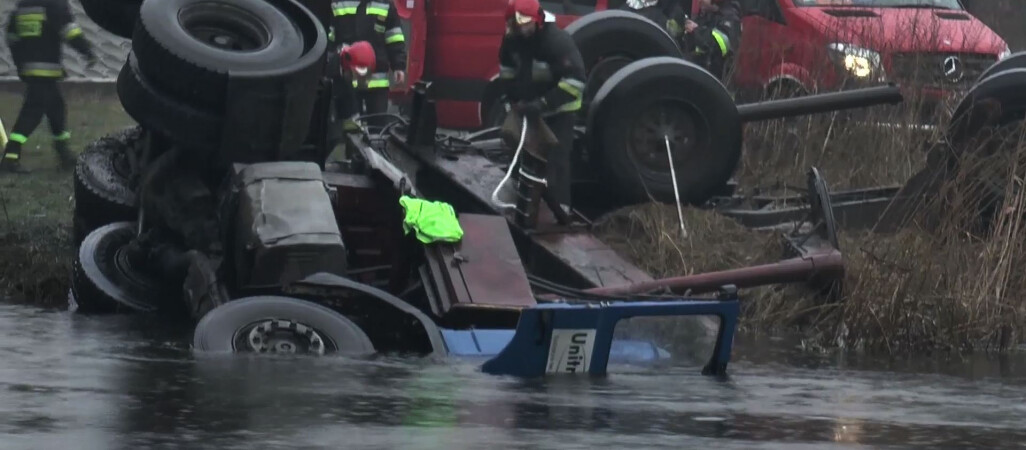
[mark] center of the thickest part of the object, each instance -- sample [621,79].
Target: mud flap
[561,338]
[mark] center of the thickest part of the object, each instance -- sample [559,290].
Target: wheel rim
[281,336]
[130,267]
[650,128]
[237,31]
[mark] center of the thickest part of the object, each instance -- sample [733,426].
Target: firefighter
[356,63]
[377,22]
[542,72]
[667,13]
[712,38]
[35,31]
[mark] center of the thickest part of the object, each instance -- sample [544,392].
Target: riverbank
[940,285]
[36,208]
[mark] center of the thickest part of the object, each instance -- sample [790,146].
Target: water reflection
[118,382]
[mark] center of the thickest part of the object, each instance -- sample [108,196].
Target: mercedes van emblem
[953,69]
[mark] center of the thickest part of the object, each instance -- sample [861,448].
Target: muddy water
[117,382]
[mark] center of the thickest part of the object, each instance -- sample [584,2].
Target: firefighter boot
[64,155]
[11,158]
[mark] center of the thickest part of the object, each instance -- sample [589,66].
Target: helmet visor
[523,19]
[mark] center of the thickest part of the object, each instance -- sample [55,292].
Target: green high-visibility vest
[432,221]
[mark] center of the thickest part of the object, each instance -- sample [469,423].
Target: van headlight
[858,61]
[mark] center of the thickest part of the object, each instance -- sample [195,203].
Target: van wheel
[609,40]
[189,48]
[272,324]
[103,191]
[651,99]
[115,16]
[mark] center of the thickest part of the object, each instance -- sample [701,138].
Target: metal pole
[676,190]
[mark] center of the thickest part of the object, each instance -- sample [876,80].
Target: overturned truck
[221,208]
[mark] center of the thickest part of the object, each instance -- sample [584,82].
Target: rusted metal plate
[487,264]
[589,260]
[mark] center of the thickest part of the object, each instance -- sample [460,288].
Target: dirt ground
[36,208]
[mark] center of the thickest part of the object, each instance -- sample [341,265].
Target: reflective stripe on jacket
[36,30]
[376,22]
[546,65]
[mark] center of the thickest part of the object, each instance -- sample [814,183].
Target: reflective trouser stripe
[63,136]
[42,73]
[40,69]
[19,138]
[12,156]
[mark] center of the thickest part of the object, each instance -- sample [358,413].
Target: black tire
[619,38]
[175,40]
[106,280]
[103,190]
[1013,61]
[226,328]
[995,101]
[116,16]
[158,112]
[698,101]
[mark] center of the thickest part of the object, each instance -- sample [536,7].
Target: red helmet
[358,57]
[524,11]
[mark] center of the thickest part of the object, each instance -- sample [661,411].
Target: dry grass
[941,283]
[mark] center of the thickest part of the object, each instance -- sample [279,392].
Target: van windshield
[939,4]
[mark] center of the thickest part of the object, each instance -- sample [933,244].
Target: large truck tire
[116,16]
[1013,61]
[665,96]
[609,40]
[997,100]
[273,324]
[103,190]
[106,279]
[160,113]
[190,48]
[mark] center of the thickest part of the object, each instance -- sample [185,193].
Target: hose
[516,156]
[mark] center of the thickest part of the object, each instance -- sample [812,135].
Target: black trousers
[374,101]
[559,174]
[42,98]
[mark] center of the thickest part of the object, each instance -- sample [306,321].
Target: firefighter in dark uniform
[668,14]
[712,38]
[542,72]
[356,63]
[377,22]
[35,31]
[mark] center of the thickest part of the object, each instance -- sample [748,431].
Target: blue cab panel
[568,338]
[488,343]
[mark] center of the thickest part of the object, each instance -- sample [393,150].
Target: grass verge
[36,208]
